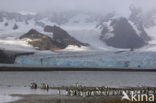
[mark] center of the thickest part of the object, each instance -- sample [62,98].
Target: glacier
[97,59]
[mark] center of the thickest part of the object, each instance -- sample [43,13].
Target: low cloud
[100,6]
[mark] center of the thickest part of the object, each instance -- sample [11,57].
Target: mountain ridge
[69,22]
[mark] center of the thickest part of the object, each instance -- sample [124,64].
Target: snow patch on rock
[75,48]
[135,28]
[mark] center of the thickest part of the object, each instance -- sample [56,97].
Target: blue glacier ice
[92,59]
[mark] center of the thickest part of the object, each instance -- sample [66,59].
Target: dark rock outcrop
[1,19]
[6,24]
[122,35]
[8,57]
[48,28]
[39,40]
[4,58]
[62,38]
[15,27]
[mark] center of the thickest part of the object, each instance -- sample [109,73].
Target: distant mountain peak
[61,39]
[121,35]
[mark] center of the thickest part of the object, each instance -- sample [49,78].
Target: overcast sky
[82,5]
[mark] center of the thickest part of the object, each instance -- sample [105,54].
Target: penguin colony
[82,91]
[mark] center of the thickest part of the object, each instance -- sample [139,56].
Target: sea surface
[18,82]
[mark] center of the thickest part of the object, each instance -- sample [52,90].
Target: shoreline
[38,98]
[41,98]
[14,67]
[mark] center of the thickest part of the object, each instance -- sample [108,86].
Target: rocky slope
[39,40]
[122,33]
[59,39]
[82,27]
[62,38]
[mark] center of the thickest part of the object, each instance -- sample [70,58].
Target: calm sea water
[18,82]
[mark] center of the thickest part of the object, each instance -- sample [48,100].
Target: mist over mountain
[102,24]
[96,6]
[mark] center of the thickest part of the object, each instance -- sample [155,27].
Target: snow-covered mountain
[21,23]
[122,33]
[85,27]
[78,25]
[135,31]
